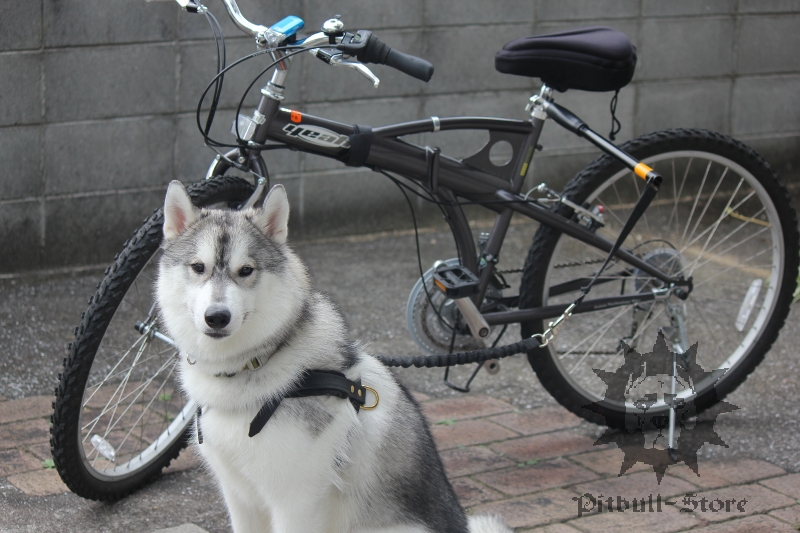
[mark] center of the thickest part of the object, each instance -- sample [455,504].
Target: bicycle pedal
[456,282]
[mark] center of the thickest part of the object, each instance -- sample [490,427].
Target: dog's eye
[198,267]
[245,271]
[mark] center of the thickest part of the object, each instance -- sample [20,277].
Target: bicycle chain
[559,265]
[579,263]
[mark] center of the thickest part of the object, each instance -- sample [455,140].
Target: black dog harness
[313,383]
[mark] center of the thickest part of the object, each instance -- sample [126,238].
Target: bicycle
[713,257]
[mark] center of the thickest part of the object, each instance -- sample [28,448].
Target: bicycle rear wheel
[722,217]
[120,416]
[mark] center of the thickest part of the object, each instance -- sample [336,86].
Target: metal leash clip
[554,327]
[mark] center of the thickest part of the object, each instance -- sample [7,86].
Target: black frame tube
[553,311]
[453,123]
[576,231]
[391,154]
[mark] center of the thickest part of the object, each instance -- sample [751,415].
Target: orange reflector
[641,170]
[296,116]
[440,285]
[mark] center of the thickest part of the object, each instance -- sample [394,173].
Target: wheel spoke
[725,214]
[634,340]
[715,221]
[121,387]
[136,393]
[674,212]
[711,200]
[146,410]
[713,231]
[119,362]
[694,205]
[718,274]
[600,332]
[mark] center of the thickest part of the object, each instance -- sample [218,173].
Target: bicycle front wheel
[721,217]
[120,416]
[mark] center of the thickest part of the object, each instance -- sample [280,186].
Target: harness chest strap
[313,383]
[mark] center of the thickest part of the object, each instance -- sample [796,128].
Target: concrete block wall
[97,102]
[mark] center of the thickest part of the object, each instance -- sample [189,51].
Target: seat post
[537,108]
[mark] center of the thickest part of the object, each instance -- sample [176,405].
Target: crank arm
[477,325]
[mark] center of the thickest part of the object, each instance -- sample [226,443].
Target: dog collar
[253,364]
[318,383]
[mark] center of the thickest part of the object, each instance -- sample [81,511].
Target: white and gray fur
[317,466]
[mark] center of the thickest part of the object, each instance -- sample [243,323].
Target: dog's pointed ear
[273,216]
[179,213]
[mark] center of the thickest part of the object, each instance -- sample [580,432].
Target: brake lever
[339,61]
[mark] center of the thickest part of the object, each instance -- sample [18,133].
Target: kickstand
[465,388]
[673,403]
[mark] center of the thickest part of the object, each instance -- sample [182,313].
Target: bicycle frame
[474,178]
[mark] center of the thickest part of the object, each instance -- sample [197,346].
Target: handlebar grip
[369,49]
[411,65]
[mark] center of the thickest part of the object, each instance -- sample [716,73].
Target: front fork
[247,161]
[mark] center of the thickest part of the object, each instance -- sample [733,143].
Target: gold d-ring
[377,399]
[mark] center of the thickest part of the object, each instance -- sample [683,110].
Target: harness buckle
[377,399]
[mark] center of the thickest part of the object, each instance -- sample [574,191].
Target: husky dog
[240,306]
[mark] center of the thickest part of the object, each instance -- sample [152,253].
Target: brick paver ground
[535,468]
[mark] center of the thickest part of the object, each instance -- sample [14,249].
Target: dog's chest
[304,435]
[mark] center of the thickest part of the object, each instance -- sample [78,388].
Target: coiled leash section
[459,358]
[539,340]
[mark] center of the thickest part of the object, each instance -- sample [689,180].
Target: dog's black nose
[217,317]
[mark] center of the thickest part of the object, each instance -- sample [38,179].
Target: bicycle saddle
[589,59]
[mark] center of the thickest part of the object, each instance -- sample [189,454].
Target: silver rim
[720,222]
[132,409]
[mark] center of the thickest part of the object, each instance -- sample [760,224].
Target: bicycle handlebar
[241,22]
[363,44]
[369,49]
